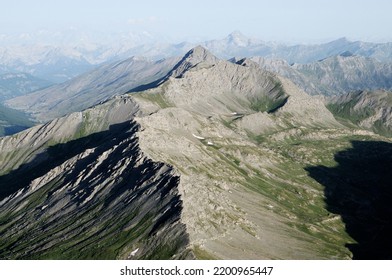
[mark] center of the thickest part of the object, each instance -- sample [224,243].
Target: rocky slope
[368,109]
[216,160]
[82,189]
[244,182]
[334,75]
[91,88]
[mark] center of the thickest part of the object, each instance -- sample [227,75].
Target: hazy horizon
[284,21]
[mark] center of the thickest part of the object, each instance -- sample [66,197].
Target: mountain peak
[237,38]
[237,35]
[339,42]
[199,54]
[193,57]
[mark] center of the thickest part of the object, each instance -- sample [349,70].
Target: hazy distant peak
[339,42]
[237,34]
[342,39]
[237,38]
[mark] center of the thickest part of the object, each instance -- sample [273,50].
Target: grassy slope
[297,198]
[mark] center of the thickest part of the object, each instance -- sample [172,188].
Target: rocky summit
[211,160]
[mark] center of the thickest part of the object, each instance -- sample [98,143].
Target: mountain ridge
[91,88]
[214,163]
[333,75]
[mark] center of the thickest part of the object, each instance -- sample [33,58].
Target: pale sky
[272,20]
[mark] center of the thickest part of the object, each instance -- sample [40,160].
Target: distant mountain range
[16,84]
[13,121]
[60,63]
[334,75]
[11,86]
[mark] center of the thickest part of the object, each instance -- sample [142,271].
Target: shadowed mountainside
[96,197]
[359,189]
